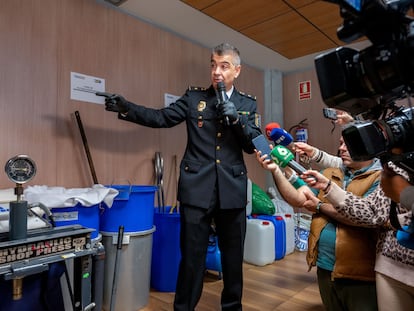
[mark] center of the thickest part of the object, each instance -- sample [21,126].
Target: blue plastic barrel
[133,208]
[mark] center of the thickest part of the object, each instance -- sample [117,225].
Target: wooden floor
[285,285]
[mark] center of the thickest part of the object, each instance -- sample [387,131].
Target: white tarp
[54,197]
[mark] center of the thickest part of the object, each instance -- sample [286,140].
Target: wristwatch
[318,207]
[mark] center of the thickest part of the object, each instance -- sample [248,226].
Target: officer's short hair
[225,49]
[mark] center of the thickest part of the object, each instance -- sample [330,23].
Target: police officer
[213,175]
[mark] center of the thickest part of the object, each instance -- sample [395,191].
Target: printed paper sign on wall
[84,87]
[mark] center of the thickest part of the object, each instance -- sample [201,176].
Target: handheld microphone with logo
[221,97]
[281,137]
[277,134]
[283,157]
[270,127]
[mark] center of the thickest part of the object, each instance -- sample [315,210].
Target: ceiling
[292,28]
[285,35]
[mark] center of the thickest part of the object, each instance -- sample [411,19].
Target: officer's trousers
[194,236]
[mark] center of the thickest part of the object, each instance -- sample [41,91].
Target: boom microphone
[222,96]
[281,137]
[283,157]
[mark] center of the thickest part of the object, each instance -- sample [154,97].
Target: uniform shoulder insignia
[247,95]
[196,88]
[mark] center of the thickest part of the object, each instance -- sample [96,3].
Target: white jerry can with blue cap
[259,244]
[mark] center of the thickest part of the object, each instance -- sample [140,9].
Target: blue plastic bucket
[86,216]
[213,258]
[165,251]
[133,208]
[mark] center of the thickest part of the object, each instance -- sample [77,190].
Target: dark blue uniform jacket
[214,152]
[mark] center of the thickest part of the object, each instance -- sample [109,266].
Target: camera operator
[369,82]
[394,264]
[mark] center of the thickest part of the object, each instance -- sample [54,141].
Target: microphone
[281,137]
[283,157]
[269,127]
[221,97]
[405,236]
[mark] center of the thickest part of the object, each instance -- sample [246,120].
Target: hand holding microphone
[283,157]
[304,149]
[226,108]
[229,111]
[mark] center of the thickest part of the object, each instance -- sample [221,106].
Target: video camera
[368,82]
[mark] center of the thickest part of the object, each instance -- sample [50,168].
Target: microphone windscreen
[281,137]
[270,127]
[281,155]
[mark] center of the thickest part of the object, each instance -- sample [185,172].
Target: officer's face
[223,69]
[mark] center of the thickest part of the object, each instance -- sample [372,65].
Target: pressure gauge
[20,169]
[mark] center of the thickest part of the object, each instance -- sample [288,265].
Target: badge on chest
[200,108]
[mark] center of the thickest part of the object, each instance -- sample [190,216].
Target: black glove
[116,103]
[229,111]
